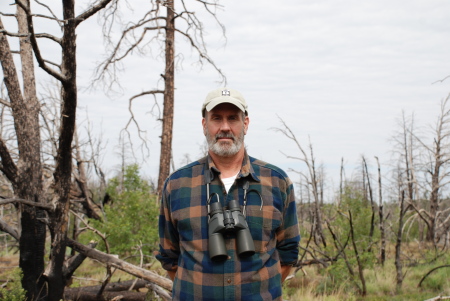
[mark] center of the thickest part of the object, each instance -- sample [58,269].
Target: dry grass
[307,283]
[314,283]
[7,264]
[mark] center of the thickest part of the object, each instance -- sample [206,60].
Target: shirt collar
[246,169]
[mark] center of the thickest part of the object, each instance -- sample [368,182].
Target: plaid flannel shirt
[183,231]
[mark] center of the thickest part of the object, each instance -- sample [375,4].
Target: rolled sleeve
[169,249]
[288,236]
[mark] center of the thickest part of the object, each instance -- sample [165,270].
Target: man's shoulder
[260,164]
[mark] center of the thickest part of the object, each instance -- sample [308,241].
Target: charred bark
[27,182]
[91,209]
[381,215]
[167,119]
[398,245]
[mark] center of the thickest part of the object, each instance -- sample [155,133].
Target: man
[266,198]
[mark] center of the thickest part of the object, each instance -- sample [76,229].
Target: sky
[339,73]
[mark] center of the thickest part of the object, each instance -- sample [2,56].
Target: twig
[431,271]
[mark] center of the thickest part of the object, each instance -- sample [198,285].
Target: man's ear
[204,125]
[246,123]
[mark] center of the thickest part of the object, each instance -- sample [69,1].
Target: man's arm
[285,271]
[172,274]
[288,235]
[169,249]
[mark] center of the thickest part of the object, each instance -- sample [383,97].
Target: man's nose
[225,126]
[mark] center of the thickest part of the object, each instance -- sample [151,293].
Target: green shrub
[13,290]
[338,276]
[132,217]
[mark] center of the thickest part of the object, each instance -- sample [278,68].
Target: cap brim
[224,99]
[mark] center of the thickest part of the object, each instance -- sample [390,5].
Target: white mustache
[225,135]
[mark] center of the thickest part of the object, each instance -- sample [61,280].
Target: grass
[314,283]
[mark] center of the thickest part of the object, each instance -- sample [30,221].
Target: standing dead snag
[398,245]
[161,23]
[363,290]
[372,203]
[165,155]
[25,171]
[312,178]
[431,169]
[381,215]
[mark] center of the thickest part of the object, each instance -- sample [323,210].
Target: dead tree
[341,181]
[372,203]
[24,171]
[381,216]
[363,289]
[162,19]
[398,245]
[436,172]
[311,177]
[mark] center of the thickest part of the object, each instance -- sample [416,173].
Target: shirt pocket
[263,224]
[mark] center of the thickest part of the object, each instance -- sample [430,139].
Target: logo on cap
[225,93]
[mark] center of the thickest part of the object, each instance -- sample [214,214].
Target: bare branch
[5,102]
[26,202]
[133,119]
[92,11]
[7,166]
[203,54]
[431,271]
[35,46]
[10,230]
[60,22]
[441,80]
[114,57]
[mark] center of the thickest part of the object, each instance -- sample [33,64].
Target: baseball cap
[224,95]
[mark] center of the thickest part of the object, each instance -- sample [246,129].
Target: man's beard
[225,148]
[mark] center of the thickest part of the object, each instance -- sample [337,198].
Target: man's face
[224,127]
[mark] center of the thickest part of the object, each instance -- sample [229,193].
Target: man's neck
[228,166]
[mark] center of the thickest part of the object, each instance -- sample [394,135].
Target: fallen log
[112,287]
[80,295]
[120,264]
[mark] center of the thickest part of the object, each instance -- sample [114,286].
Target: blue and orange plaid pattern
[183,230]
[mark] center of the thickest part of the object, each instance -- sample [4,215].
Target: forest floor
[313,282]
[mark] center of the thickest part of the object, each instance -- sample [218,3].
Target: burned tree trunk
[27,181]
[381,215]
[372,203]
[398,245]
[63,170]
[167,119]
[26,176]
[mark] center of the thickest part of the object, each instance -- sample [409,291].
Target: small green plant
[13,290]
[132,218]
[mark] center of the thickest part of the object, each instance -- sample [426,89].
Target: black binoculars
[228,221]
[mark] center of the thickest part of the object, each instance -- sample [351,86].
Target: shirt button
[229,257]
[229,280]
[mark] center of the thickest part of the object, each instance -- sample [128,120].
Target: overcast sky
[338,72]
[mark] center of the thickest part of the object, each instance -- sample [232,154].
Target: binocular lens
[245,245]
[217,249]
[228,221]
